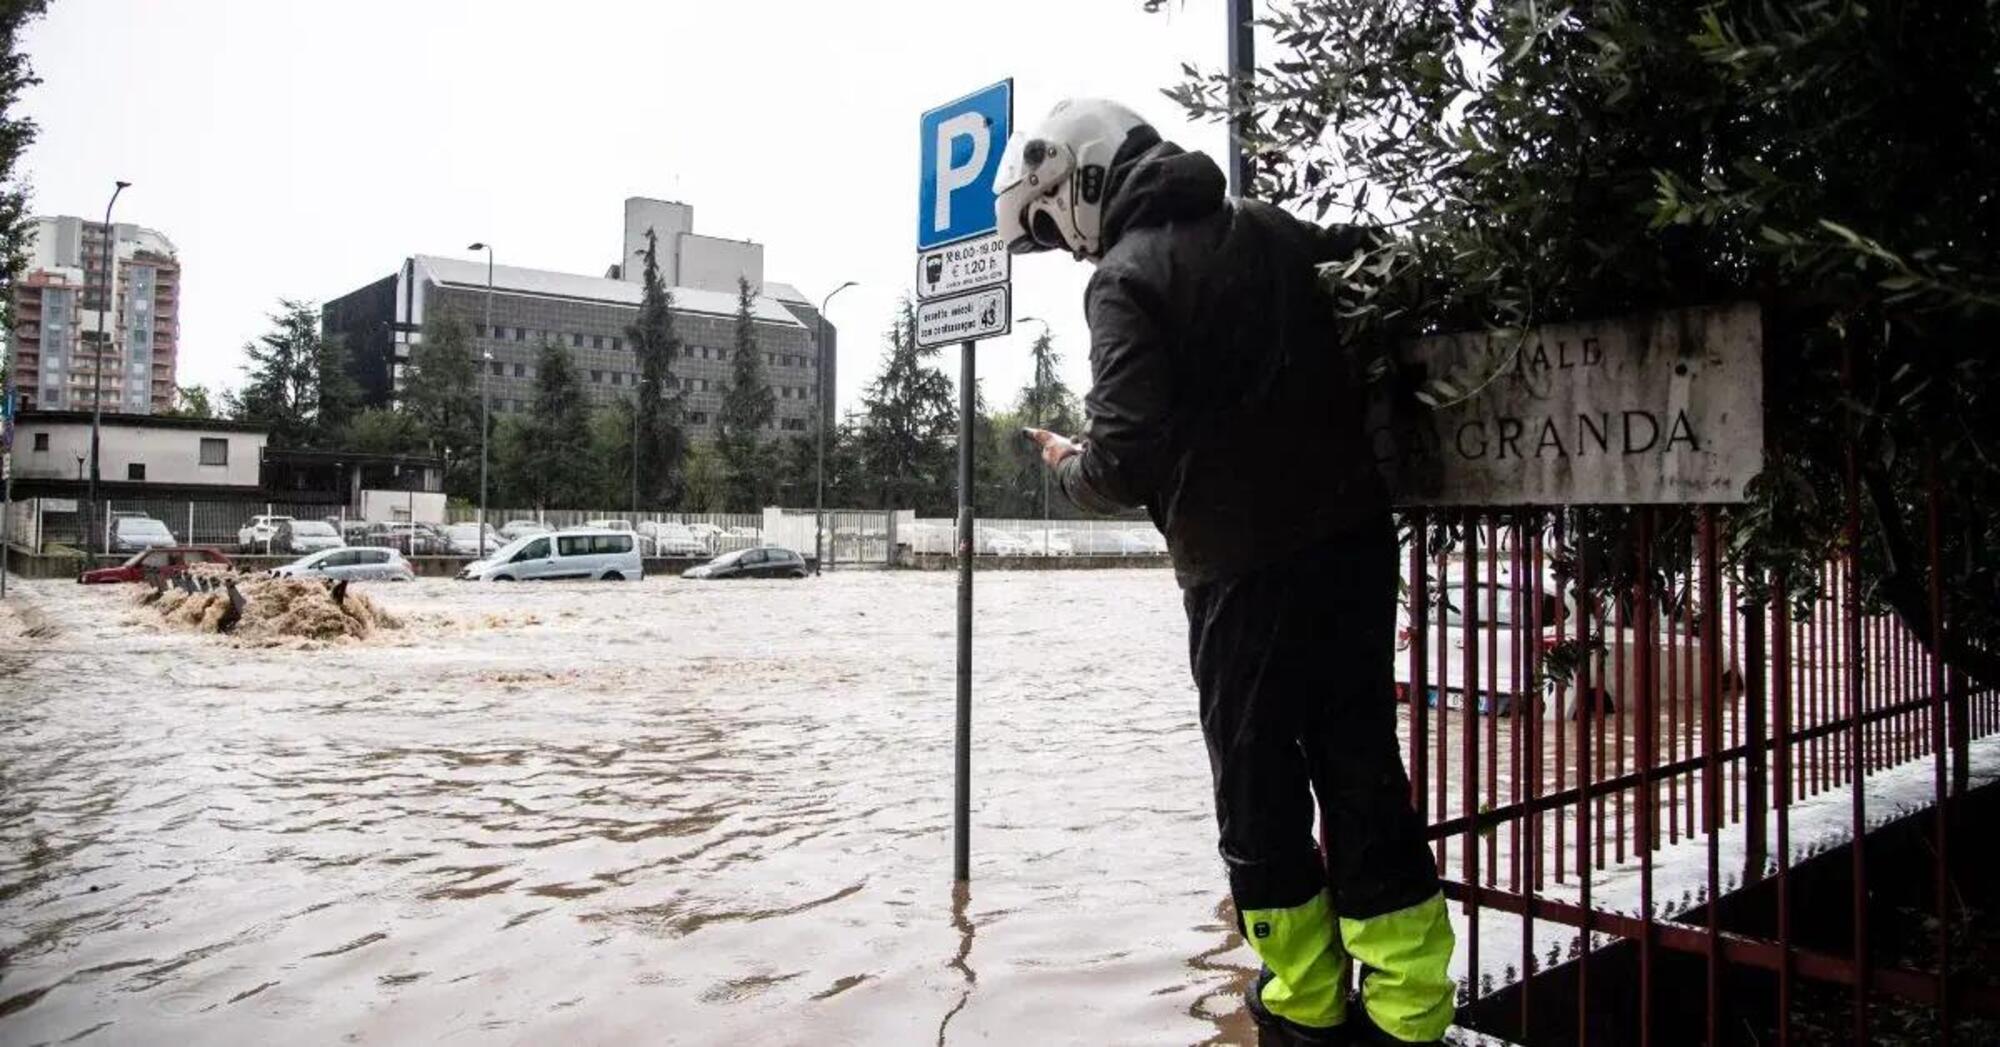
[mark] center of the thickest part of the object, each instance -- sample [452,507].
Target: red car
[163,561]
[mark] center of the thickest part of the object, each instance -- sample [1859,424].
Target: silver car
[358,564]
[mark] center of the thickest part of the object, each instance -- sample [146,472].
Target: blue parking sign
[960,149]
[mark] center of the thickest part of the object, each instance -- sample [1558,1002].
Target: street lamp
[97,372]
[820,425]
[1042,408]
[485,365]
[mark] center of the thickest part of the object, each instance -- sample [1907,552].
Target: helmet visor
[1031,170]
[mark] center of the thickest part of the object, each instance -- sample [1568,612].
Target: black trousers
[1295,664]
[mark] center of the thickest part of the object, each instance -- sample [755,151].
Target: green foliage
[708,481]
[610,466]
[1830,160]
[907,434]
[17,133]
[441,395]
[662,442]
[382,430]
[192,401]
[297,384]
[748,406]
[543,451]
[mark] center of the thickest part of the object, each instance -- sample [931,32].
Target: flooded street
[663,812]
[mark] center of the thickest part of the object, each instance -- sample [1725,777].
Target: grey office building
[588,317]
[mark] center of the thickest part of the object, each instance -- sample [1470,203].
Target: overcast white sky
[295,149]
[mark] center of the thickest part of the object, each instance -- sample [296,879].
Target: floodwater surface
[663,812]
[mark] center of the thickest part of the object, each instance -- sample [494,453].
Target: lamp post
[1042,422]
[104,341]
[819,428]
[485,365]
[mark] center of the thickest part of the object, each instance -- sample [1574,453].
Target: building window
[41,441]
[618,343]
[520,370]
[617,378]
[214,451]
[479,330]
[135,471]
[576,339]
[520,334]
[698,417]
[597,341]
[597,376]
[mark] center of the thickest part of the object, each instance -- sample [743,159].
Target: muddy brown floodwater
[662,812]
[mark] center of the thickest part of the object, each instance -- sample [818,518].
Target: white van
[594,553]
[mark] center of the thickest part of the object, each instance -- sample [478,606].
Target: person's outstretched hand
[1055,446]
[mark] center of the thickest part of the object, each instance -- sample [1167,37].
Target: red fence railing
[1609,737]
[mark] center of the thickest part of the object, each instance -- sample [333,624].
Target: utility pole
[104,342]
[820,424]
[1242,74]
[485,365]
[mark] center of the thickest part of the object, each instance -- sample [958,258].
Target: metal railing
[1036,537]
[1601,766]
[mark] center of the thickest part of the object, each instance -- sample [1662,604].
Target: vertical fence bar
[1518,701]
[1587,714]
[1731,605]
[1781,708]
[1561,687]
[1528,710]
[1626,695]
[1851,620]
[1493,675]
[1940,809]
[1757,673]
[1649,811]
[1442,771]
[1469,772]
[1673,694]
[1536,714]
[1711,794]
[1419,648]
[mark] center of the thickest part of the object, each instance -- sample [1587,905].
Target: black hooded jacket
[1221,398]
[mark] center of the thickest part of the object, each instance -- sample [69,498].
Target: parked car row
[1138,540]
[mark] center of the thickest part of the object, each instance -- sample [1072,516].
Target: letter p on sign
[961,143]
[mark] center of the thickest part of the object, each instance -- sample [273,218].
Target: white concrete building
[140,454]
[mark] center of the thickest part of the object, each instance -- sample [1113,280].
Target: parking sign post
[964,294]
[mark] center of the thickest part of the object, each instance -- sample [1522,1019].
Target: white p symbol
[953,177]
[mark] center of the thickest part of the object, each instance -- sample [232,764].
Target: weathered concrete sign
[1656,408]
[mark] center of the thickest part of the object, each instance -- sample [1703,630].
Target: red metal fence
[1601,763]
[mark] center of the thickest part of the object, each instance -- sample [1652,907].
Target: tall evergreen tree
[1044,403]
[441,394]
[558,433]
[908,425]
[662,442]
[297,385]
[747,409]
[17,133]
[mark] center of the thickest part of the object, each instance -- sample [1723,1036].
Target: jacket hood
[1161,184]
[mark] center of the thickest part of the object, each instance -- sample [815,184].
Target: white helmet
[1050,193]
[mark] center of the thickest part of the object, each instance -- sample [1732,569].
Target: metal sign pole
[6,517]
[962,806]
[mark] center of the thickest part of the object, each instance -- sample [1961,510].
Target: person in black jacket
[1221,400]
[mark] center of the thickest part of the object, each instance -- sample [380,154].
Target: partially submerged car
[355,564]
[767,561]
[592,553]
[130,534]
[161,562]
[306,536]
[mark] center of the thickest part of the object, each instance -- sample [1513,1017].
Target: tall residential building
[587,317]
[57,346]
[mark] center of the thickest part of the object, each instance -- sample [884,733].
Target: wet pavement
[665,812]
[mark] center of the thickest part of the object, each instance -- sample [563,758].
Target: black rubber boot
[1273,1031]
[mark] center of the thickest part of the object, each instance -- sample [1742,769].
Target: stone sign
[1656,408]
